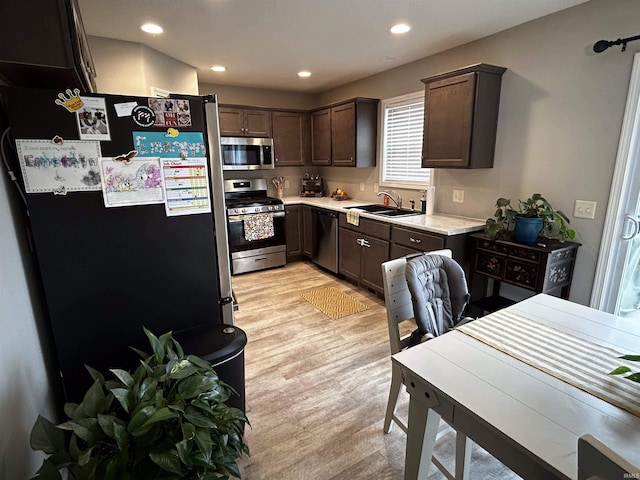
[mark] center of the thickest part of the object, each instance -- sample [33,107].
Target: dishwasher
[325,239]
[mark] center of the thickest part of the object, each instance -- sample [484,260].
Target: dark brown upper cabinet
[244,122]
[321,137]
[45,45]
[345,134]
[290,136]
[461,117]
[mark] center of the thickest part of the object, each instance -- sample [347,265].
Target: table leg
[423,428]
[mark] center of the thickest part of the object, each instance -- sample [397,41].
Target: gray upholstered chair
[433,317]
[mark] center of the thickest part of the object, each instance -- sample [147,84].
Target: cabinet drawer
[522,274]
[490,264]
[368,227]
[415,239]
[526,253]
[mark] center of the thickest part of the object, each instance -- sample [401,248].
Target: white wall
[129,68]
[25,391]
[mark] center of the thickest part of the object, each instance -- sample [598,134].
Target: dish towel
[258,226]
[353,216]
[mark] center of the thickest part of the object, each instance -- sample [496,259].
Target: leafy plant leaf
[635,377]
[124,376]
[620,370]
[123,396]
[168,461]
[633,358]
[195,385]
[139,419]
[156,345]
[46,437]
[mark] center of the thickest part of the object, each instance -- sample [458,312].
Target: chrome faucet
[398,202]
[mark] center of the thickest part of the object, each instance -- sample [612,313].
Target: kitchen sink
[387,211]
[374,208]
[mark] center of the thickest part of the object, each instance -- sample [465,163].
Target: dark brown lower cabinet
[362,251]
[308,231]
[294,231]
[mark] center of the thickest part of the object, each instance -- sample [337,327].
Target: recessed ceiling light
[151,28]
[400,28]
[304,73]
[219,68]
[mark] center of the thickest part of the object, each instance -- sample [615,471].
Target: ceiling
[264,43]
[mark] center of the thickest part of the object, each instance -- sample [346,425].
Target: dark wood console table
[543,267]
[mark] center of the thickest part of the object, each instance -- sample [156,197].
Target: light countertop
[437,223]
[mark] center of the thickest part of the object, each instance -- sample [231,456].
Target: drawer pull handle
[415,240]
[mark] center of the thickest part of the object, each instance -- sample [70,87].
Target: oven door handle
[240,218]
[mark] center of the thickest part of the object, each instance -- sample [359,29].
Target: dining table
[524,383]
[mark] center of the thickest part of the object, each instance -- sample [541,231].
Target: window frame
[408,185]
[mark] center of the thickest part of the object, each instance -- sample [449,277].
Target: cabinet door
[343,135]
[231,121]
[448,117]
[308,231]
[321,137]
[349,254]
[374,253]
[293,223]
[257,123]
[289,133]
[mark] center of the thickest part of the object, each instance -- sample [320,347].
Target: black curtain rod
[601,45]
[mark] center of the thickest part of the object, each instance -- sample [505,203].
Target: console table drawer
[522,274]
[525,253]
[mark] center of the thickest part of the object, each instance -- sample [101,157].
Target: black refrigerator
[127,223]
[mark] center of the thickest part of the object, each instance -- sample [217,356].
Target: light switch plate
[362,187]
[375,188]
[286,184]
[585,209]
[458,196]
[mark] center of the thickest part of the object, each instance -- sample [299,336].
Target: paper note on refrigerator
[186,184]
[48,167]
[136,182]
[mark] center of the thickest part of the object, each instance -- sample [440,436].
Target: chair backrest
[439,293]
[596,461]
[397,299]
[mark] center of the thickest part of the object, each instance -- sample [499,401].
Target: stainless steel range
[256,224]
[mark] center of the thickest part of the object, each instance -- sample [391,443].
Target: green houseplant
[551,223]
[633,376]
[167,420]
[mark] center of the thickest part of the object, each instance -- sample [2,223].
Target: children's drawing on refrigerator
[137,182]
[71,166]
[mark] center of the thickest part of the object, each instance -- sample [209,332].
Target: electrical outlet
[375,188]
[585,209]
[458,196]
[286,184]
[362,187]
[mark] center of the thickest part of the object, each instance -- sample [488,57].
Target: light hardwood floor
[316,388]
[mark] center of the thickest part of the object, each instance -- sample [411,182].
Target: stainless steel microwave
[243,153]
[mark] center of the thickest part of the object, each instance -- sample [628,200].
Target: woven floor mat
[334,303]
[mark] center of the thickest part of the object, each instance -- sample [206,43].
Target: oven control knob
[244,210]
[270,208]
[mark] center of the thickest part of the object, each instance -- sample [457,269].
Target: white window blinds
[402,141]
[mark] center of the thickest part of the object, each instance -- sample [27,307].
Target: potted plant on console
[531,218]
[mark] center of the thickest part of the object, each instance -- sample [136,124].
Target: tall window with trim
[402,125]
